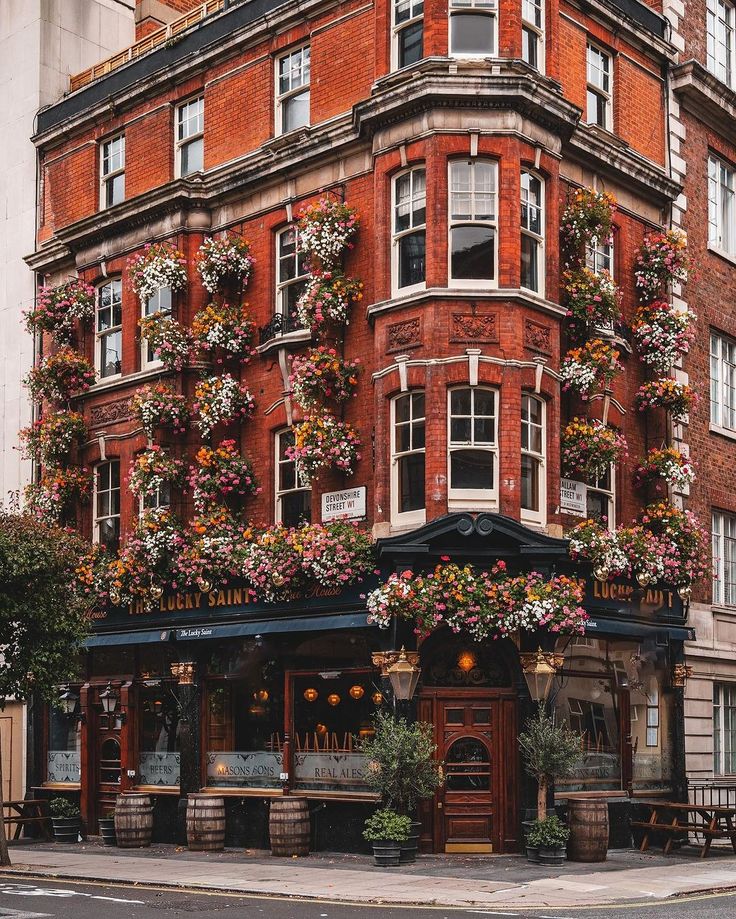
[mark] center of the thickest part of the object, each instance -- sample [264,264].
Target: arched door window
[468,765]
[110,761]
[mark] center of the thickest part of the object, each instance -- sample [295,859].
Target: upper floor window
[472,444]
[473,27]
[408,32]
[112,171]
[724,728]
[533,448]
[409,229]
[599,256]
[159,497]
[721,46]
[724,558]
[109,329]
[723,381]
[407,458]
[106,522]
[293,497]
[532,232]
[160,302]
[532,33]
[291,272]
[190,137]
[721,209]
[292,90]
[473,220]
[599,87]
[601,498]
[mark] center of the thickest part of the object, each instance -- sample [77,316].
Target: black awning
[601,626]
[272,626]
[106,639]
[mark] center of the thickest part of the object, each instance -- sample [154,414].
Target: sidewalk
[461,881]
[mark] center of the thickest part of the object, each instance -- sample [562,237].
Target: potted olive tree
[551,751]
[387,831]
[402,768]
[65,819]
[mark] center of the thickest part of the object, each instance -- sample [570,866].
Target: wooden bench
[674,820]
[26,812]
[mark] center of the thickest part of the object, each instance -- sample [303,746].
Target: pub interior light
[540,668]
[466,661]
[357,692]
[311,694]
[377,698]
[333,699]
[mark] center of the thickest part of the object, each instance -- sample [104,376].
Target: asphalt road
[46,899]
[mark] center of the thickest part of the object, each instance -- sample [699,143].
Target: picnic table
[29,810]
[675,820]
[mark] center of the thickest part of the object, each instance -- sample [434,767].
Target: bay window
[533,450]
[474,27]
[407,458]
[472,445]
[408,32]
[532,232]
[409,229]
[473,221]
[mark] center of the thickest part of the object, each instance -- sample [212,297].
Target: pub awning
[621,628]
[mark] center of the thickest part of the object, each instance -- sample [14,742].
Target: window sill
[116,381]
[723,610]
[723,432]
[729,257]
[288,339]
[523,297]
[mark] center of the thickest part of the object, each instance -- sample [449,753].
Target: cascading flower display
[153,468]
[158,405]
[224,261]
[224,329]
[220,475]
[675,397]
[171,342]
[662,260]
[326,230]
[60,376]
[591,299]
[593,541]
[683,542]
[665,465]
[321,442]
[320,375]
[91,575]
[210,557]
[588,215]
[662,333]
[48,498]
[52,437]
[159,265]
[221,400]
[590,368]
[58,308]
[327,297]
[589,448]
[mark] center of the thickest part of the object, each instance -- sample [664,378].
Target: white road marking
[27,890]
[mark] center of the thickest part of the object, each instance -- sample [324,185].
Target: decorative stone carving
[538,336]
[470,328]
[110,413]
[406,334]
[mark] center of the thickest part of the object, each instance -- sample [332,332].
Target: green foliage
[387,824]
[42,613]
[63,808]
[401,763]
[549,833]
[550,750]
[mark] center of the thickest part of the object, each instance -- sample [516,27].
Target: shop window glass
[63,757]
[158,760]
[651,714]
[724,728]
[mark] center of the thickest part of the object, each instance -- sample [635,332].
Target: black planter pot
[66,829]
[107,830]
[552,856]
[532,854]
[387,853]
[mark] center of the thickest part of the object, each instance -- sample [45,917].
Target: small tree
[550,751]
[401,763]
[42,614]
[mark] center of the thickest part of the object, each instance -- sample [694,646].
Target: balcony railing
[280,325]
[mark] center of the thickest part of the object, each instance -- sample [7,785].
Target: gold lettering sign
[233,596]
[650,599]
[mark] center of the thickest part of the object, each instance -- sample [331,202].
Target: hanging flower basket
[589,448]
[322,375]
[91,582]
[152,469]
[589,215]
[327,298]
[221,400]
[58,308]
[158,405]
[171,341]
[594,542]
[322,442]
[325,231]
[683,542]
[221,475]
[60,376]
[58,487]
[590,368]
[591,299]
[224,328]
[52,437]
[272,566]
[224,262]
[662,260]
[675,397]
[210,557]
[666,465]
[159,265]
[663,334]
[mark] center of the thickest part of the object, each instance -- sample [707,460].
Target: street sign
[347,504]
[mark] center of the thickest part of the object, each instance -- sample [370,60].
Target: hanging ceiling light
[466,661]
[333,699]
[311,695]
[377,698]
[357,692]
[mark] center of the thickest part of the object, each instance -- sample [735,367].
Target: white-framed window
[159,498]
[721,56]
[109,329]
[292,90]
[190,136]
[652,696]
[472,444]
[533,457]
[409,238]
[160,302]
[722,381]
[724,558]
[601,501]
[532,232]
[291,275]
[724,728]
[532,33]
[106,520]
[112,171]
[408,33]
[408,501]
[474,28]
[599,256]
[721,206]
[600,78]
[473,222]
[293,497]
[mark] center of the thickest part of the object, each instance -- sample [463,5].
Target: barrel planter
[133,821]
[205,823]
[66,829]
[107,830]
[288,826]
[587,819]
[386,853]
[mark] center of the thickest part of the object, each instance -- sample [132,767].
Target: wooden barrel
[587,819]
[205,823]
[133,820]
[288,825]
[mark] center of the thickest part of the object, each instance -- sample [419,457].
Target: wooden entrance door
[105,766]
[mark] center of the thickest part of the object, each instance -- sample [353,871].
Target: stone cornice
[706,97]
[628,17]
[510,294]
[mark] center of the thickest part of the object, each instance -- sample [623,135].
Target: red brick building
[459,134]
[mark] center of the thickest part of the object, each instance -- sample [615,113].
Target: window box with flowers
[591,299]
[157,405]
[225,261]
[221,400]
[221,475]
[322,442]
[322,375]
[60,376]
[662,260]
[663,334]
[52,437]
[224,330]
[665,465]
[58,308]
[170,341]
[588,215]
[50,497]
[325,231]
[675,397]
[327,297]
[590,447]
[159,265]
[152,469]
[590,368]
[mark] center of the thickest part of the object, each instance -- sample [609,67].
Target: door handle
[439,805]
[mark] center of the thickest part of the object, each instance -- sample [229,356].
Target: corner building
[458,133]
